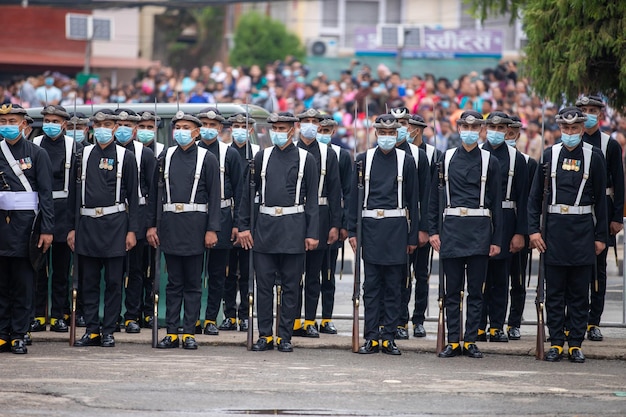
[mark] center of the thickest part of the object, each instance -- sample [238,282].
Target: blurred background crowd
[360,90]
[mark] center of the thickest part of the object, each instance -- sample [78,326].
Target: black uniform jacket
[146,176]
[233,186]
[423,180]
[15,233]
[56,152]
[105,237]
[182,234]
[283,234]
[330,215]
[514,221]
[467,236]
[385,240]
[570,238]
[345,176]
[614,179]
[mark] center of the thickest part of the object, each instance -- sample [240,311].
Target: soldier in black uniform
[230,197]
[422,169]
[61,150]
[576,231]
[414,136]
[190,222]
[26,190]
[147,128]
[593,107]
[471,232]
[329,198]
[326,130]
[286,178]
[514,181]
[519,260]
[125,134]
[390,232]
[107,226]
[78,128]
[242,128]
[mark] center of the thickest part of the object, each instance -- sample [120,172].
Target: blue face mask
[387,142]
[591,121]
[145,136]
[78,135]
[52,130]
[570,141]
[323,138]
[239,135]
[279,138]
[183,137]
[103,134]
[510,142]
[403,132]
[365,84]
[10,132]
[494,137]
[124,134]
[263,94]
[308,130]
[469,137]
[342,131]
[208,133]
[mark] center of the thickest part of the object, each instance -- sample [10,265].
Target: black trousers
[421,284]
[136,276]
[217,263]
[597,295]
[381,292]
[288,269]
[113,273]
[59,306]
[496,294]
[17,280]
[237,282]
[517,294]
[312,285]
[567,290]
[455,270]
[327,289]
[148,265]
[184,285]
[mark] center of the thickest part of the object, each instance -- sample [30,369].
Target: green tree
[260,40]
[574,46]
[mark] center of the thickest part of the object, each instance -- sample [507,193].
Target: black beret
[590,101]
[55,109]
[127,114]
[180,115]
[498,118]
[284,116]
[400,113]
[570,115]
[386,121]
[470,117]
[417,120]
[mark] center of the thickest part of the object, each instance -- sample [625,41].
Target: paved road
[135,380]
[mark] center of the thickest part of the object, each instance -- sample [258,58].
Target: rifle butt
[250,336]
[541,333]
[441,329]
[73,317]
[279,292]
[355,327]
[155,321]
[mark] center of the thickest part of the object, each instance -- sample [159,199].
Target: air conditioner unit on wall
[323,47]
[393,35]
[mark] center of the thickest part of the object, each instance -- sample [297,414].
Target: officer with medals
[190,222]
[242,129]
[25,193]
[329,198]
[325,132]
[390,231]
[125,134]
[576,231]
[146,134]
[287,227]
[107,226]
[519,260]
[420,266]
[230,168]
[422,169]
[593,107]
[471,232]
[514,181]
[60,149]
[78,127]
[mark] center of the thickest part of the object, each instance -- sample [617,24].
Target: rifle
[541,274]
[156,283]
[357,259]
[252,190]
[76,220]
[343,254]
[279,300]
[441,320]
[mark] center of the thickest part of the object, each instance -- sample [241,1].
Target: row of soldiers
[300,224]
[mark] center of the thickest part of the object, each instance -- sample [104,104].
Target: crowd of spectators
[359,90]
